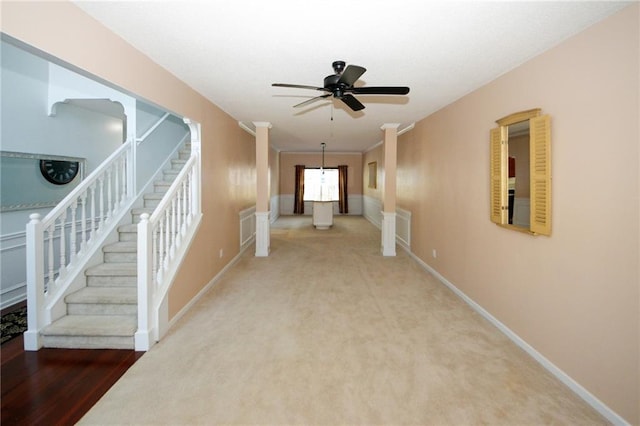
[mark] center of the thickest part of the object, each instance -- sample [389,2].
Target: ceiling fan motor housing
[331,84]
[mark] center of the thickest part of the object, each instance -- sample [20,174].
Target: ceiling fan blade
[379,90]
[308,101]
[351,74]
[352,102]
[297,86]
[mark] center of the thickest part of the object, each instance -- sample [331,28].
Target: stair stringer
[162,303]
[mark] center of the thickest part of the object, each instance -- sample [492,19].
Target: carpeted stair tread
[113,269]
[104,295]
[140,210]
[131,227]
[154,195]
[93,325]
[121,247]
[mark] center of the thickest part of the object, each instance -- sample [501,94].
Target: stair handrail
[163,239]
[100,197]
[152,128]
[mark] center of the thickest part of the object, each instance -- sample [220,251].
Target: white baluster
[63,245]
[83,224]
[72,235]
[50,233]
[161,251]
[190,203]
[183,207]
[123,194]
[154,262]
[111,208]
[167,235]
[172,213]
[93,211]
[102,197]
[116,167]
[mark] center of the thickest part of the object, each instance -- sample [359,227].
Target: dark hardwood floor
[56,386]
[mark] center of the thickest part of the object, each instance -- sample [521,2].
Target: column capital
[262,124]
[390,126]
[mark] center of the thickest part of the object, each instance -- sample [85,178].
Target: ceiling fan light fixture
[340,86]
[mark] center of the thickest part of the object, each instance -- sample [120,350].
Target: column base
[388,233]
[262,234]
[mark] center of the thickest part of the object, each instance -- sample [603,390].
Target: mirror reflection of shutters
[540,164]
[498,189]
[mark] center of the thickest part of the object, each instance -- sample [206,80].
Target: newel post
[144,336]
[35,283]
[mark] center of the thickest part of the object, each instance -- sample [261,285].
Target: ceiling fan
[340,86]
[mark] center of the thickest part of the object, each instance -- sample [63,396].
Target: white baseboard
[206,288]
[579,390]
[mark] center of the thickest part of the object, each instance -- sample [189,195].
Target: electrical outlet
[434,253]
[221,253]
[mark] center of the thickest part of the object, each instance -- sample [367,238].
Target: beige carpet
[326,331]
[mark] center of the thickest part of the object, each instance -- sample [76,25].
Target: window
[321,185]
[520,164]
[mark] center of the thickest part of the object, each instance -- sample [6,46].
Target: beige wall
[288,161]
[228,153]
[274,172]
[573,296]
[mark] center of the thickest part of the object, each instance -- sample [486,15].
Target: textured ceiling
[231,51]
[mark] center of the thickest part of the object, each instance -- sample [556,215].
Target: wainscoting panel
[403,228]
[372,210]
[247,227]
[373,213]
[274,208]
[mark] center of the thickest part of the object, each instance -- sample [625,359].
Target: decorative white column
[262,189]
[389,195]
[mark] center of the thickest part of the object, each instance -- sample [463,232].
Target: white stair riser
[88,342]
[128,236]
[151,203]
[110,281]
[120,257]
[101,309]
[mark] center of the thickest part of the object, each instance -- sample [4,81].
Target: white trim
[400,132]
[403,228]
[388,234]
[247,129]
[406,129]
[390,126]
[247,227]
[262,124]
[578,389]
[152,128]
[262,234]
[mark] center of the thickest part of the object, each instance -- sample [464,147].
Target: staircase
[104,313]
